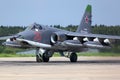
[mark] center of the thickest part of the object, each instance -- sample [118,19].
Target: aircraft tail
[85,25]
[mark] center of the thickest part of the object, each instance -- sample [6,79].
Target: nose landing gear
[42,56]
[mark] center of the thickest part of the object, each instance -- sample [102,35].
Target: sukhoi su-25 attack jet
[47,40]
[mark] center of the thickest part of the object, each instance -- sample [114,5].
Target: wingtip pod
[89,8]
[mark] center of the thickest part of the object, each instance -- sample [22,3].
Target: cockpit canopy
[34,27]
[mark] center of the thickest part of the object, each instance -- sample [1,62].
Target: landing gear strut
[38,58]
[73,57]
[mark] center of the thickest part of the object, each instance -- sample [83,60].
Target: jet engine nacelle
[58,37]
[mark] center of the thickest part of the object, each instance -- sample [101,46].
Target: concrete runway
[59,68]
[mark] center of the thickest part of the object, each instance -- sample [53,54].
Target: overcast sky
[55,12]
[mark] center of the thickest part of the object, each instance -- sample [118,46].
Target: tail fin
[85,25]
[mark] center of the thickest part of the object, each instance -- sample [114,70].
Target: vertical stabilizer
[85,25]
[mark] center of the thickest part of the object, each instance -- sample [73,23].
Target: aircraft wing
[93,36]
[32,43]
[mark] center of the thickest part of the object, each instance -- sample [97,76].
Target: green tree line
[97,29]
[10,30]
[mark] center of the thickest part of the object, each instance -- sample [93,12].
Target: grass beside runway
[57,55]
[16,55]
[94,54]
[99,54]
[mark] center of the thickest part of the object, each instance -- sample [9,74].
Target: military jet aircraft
[47,40]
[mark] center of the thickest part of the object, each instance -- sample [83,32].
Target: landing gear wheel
[38,59]
[45,58]
[42,55]
[73,57]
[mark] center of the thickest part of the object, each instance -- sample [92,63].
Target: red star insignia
[86,19]
[37,36]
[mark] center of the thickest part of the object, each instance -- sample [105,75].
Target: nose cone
[12,42]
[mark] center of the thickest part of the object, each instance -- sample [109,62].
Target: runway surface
[59,68]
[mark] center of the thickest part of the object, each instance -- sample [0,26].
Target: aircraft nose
[11,42]
[26,35]
[13,39]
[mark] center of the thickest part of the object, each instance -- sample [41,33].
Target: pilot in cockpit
[35,27]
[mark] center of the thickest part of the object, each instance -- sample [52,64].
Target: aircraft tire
[45,58]
[73,57]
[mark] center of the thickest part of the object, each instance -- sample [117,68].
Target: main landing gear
[71,55]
